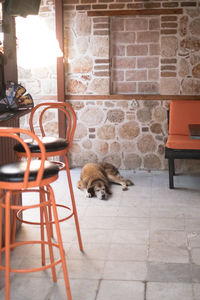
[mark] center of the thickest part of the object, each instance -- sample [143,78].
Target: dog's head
[99,189]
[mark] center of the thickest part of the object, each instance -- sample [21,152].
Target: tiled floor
[141,244]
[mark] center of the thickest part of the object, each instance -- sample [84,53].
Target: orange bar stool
[55,147]
[33,176]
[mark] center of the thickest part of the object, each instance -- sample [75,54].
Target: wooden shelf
[132,97]
[147,12]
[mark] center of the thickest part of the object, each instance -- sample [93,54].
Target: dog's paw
[129,182]
[124,188]
[88,195]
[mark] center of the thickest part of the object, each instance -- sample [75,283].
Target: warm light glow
[36,43]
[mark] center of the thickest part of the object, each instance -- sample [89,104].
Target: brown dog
[96,179]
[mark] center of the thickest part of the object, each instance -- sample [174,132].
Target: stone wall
[165,59]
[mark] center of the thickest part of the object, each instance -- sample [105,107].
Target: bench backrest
[181,114]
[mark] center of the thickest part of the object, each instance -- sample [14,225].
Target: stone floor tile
[165,272]
[131,223]
[118,290]
[131,252]
[168,254]
[98,251]
[196,291]
[195,270]
[125,270]
[195,255]
[167,224]
[130,236]
[80,289]
[85,269]
[169,291]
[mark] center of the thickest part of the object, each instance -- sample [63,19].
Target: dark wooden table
[194,130]
[9,119]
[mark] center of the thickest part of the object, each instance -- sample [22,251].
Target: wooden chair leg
[171,172]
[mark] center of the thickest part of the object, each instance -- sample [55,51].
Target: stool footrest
[34,269]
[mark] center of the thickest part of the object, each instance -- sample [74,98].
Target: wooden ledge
[132,97]
[164,11]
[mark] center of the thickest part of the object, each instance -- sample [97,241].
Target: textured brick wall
[162,57]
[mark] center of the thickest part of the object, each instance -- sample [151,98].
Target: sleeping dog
[96,179]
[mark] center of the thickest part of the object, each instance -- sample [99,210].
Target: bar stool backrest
[14,133]
[66,108]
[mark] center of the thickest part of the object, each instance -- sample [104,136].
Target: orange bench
[179,144]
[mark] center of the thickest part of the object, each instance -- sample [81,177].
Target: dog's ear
[90,191]
[108,191]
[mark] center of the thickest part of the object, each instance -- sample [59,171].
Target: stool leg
[7,246]
[14,222]
[73,203]
[60,243]
[42,199]
[48,229]
[1,224]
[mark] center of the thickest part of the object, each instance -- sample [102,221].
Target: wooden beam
[132,97]
[147,12]
[60,66]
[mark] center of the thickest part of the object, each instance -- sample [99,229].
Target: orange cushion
[183,113]
[182,142]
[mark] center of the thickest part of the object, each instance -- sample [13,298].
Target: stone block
[191,86]
[136,75]
[154,23]
[169,46]
[148,37]
[83,24]
[99,86]
[99,46]
[195,27]
[117,24]
[124,62]
[144,115]
[87,116]
[81,131]
[152,161]
[115,116]
[169,86]
[106,132]
[153,75]
[154,49]
[148,87]
[129,130]
[118,50]
[81,65]
[196,71]
[183,25]
[117,75]
[137,50]
[147,62]
[132,161]
[124,87]
[191,44]
[159,114]
[146,143]
[183,68]
[135,24]
[75,86]
[124,37]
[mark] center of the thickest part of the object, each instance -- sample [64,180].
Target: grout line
[98,287]
[145,289]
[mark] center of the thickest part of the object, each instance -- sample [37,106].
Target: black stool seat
[51,144]
[14,172]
